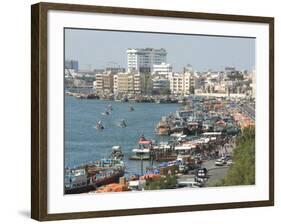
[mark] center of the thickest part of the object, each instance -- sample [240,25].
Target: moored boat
[91,176]
[143,152]
[84,184]
[117,152]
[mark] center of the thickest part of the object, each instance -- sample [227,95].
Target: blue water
[84,143]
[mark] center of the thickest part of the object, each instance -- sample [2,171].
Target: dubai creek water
[84,143]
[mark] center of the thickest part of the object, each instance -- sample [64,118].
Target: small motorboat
[105,113]
[131,108]
[123,123]
[99,125]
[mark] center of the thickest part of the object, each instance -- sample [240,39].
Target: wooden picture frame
[39,109]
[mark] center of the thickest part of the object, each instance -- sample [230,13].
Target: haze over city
[186,102]
[96,49]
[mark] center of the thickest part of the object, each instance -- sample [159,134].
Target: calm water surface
[84,143]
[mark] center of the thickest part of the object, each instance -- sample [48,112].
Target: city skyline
[95,49]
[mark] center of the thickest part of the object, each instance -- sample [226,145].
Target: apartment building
[182,83]
[127,83]
[162,69]
[104,82]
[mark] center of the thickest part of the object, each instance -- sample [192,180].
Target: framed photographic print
[139,111]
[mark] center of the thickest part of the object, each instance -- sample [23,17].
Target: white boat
[141,150]
[99,125]
[123,124]
[105,113]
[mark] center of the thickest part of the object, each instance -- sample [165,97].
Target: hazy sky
[98,49]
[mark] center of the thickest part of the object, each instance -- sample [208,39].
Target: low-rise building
[183,83]
[104,83]
[127,83]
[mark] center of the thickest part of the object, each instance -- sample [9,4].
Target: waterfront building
[143,59]
[72,64]
[127,83]
[162,69]
[104,82]
[161,85]
[183,83]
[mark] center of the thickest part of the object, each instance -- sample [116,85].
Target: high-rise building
[72,64]
[143,59]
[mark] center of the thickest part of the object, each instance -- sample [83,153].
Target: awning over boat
[183,147]
[145,142]
[141,150]
[116,147]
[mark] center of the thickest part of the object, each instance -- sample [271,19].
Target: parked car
[202,173]
[183,168]
[229,162]
[219,162]
[189,184]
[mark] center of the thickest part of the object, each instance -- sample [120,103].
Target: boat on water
[144,150]
[164,152]
[131,108]
[83,184]
[99,125]
[123,123]
[92,176]
[105,113]
[117,152]
[164,126]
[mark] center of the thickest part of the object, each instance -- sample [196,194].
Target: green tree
[242,172]
[165,182]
